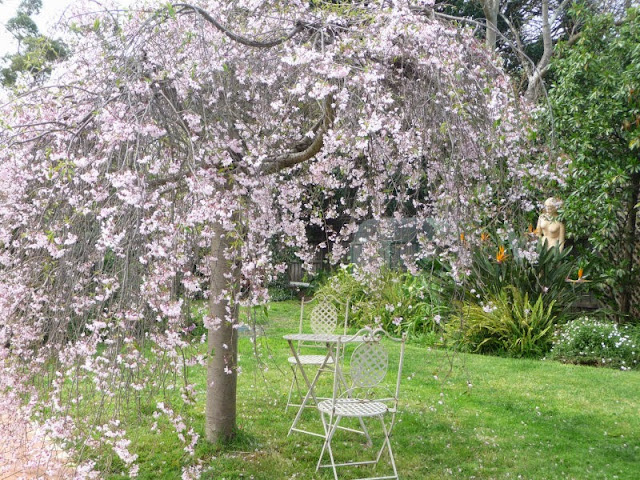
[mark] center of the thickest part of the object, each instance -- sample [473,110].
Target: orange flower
[462,237]
[533,231]
[484,236]
[580,278]
[501,256]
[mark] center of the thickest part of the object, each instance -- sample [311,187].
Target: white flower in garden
[489,307]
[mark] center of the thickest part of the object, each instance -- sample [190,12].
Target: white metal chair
[322,320]
[366,398]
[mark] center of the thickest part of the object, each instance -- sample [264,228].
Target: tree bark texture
[222,347]
[491,9]
[535,79]
[630,239]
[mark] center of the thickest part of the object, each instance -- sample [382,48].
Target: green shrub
[279,293]
[396,300]
[280,290]
[343,284]
[509,324]
[532,269]
[591,341]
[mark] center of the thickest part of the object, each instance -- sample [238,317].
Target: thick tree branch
[299,27]
[535,78]
[491,9]
[291,159]
[177,177]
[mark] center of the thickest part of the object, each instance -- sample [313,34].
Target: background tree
[35,51]
[524,32]
[596,107]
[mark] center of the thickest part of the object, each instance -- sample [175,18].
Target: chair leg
[294,381]
[310,393]
[330,430]
[366,432]
[387,442]
[324,444]
[328,442]
[333,461]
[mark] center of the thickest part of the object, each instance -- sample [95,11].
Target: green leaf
[171,10]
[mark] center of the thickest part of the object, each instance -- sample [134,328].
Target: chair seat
[310,360]
[353,407]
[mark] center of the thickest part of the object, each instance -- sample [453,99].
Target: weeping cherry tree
[179,142]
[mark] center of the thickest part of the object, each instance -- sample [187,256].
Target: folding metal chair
[322,320]
[366,398]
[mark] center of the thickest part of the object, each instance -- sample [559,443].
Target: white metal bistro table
[330,340]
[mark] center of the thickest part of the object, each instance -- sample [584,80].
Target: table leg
[310,387]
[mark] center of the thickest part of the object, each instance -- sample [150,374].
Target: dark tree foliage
[597,120]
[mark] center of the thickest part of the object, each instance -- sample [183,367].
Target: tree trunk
[629,244]
[536,76]
[491,8]
[222,346]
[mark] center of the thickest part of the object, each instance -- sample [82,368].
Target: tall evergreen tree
[35,51]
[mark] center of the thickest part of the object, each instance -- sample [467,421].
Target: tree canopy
[35,51]
[597,117]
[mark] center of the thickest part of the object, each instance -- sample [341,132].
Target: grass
[462,416]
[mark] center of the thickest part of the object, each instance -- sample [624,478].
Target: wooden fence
[296,273]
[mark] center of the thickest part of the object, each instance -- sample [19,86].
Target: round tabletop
[323,337]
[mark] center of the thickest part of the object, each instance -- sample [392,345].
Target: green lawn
[462,416]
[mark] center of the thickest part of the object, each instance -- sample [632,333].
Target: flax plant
[508,324]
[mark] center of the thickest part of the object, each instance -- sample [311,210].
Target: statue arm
[561,236]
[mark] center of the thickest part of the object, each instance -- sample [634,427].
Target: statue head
[551,205]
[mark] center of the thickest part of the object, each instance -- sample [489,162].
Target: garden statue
[549,227]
